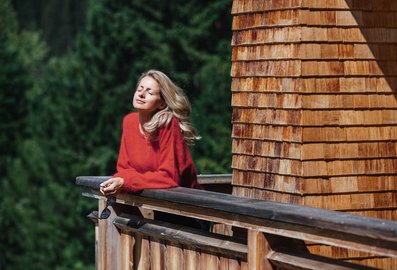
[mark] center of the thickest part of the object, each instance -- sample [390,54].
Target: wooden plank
[389,214]
[208,261]
[244,265]
[264,148]
[191,258]
[234,264]
[282,68]
[346,85]
[346,134]
[266,84]
[252,6]
[251,131]
[268,181]
[258,250]
[126,251]
[266,100]
[223,263]
[338,168]
[188,236]
[354,201]
[269,52]
[289,17]
[108,240]
[293,260]
[269,165]
[204,179]
[312,118]
[267,116]
[348,184]
[345,102]
[291,34]
[102,229]
[208,179]
[157,256]
[141,252]
[174,257]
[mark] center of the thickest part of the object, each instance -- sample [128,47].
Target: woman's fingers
[111,186]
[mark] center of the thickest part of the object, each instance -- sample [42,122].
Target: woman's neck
[144,118]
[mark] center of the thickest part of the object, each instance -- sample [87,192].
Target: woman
[153,151]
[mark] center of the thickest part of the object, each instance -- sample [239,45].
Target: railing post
[258,249]
[108,241]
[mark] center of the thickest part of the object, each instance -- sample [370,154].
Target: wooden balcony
[245,233]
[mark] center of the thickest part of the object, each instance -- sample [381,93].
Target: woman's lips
[139,101]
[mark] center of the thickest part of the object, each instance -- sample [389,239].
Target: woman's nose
[141,95]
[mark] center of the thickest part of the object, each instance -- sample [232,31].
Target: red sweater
[149,164]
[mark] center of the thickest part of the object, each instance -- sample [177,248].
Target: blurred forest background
[67,75]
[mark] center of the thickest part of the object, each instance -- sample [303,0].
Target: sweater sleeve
[171,162]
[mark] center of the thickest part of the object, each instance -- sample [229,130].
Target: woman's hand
[111,186]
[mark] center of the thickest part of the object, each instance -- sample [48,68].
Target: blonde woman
[153,150]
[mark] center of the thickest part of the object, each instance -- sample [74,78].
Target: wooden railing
[251,234]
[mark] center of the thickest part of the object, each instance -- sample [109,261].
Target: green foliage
[61,115]
[211,115]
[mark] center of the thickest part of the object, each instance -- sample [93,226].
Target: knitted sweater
[145,163]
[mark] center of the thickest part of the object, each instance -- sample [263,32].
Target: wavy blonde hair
[178,106]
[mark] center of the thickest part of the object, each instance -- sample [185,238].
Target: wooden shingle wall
[314,96]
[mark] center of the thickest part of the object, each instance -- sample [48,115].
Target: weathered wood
[295,221]
[191,257]
[156,254]
[108,241]
[290,260]
[208,179]
[234,265]
[208,261]
[204,179]
[258,250]
[174,257]
[290,230]
[125,252]
[94,218]
[377,235]
[141,252]
[223,263]
[190,237]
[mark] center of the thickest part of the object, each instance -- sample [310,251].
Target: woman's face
[147,97]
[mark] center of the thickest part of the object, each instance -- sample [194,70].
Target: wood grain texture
[157,256]
[309,230]
[141,252]
[125,251]
[191,259]
[258,251]
[193,238]
[174,257]
[208,261]
[108,240]
[197,200]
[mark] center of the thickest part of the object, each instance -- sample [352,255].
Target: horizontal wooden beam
[288,259]
[204,179]
[192,238]
[210,179]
